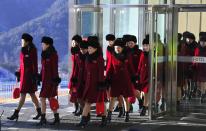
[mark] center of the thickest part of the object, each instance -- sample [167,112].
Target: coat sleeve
[34,61]
[101,70]
[130,66]
[54,65]
[140,65]
[74,65]
[110,70]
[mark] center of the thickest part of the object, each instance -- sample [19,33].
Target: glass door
[155,24]
[89,22]
[161,61]
[191,87]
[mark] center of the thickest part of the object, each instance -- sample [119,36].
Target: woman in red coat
[78,76]
[27,75]
[135,53]
[109,52]
[200,68]
[49,77]
[119,77]
[143,71]
[94,91]
[76,39]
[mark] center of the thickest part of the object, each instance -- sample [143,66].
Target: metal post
[151,91]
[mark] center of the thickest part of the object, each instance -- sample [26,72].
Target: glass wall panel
[79,2]
[189,1]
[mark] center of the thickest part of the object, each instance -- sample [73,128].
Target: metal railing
[6,89]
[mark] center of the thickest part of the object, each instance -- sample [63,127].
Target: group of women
[123,76]
[29,77]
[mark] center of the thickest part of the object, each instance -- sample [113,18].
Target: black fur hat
[133,38]
[203,38]
[83,44]
[47,40]
[27,37]
[191,36]
[145,41]
[77,38]
[119,42]
[93,39]
[110,37]
[93,44]
[126,38]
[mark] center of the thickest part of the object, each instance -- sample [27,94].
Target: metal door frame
[171,49]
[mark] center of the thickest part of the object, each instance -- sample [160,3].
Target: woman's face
[189,40]
[44,46]
[118,49]
[131,44]
[203,43]
[83,51]
[146,47]
[91,50]
[111,43]
[74,43]
[23,43]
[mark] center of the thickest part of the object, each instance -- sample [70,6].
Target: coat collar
[26,50]
[93,57]
[48,52]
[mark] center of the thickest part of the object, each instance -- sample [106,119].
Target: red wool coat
[188,50]
[94,75]
[74,70]
[49,73]
[28,69]
[79,75]
[200,68]
[143,71]
[135,57]
[73,86]
[120,72]
[109,53]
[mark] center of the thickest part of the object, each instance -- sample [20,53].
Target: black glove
[17,74]
[56,81]
[101,86]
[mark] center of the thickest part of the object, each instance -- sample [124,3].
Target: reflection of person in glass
[119,77]
[143,71]
[187,49]
[27,75]
[200,68]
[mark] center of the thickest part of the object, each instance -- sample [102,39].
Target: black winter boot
[83,122]
[103,122]
[141,101]
[109,116]
[14,116]
[143,112]
[42,120]
[38,114]
[79,112]
[127,117]
[76,106]
[121,111]
[56,119]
